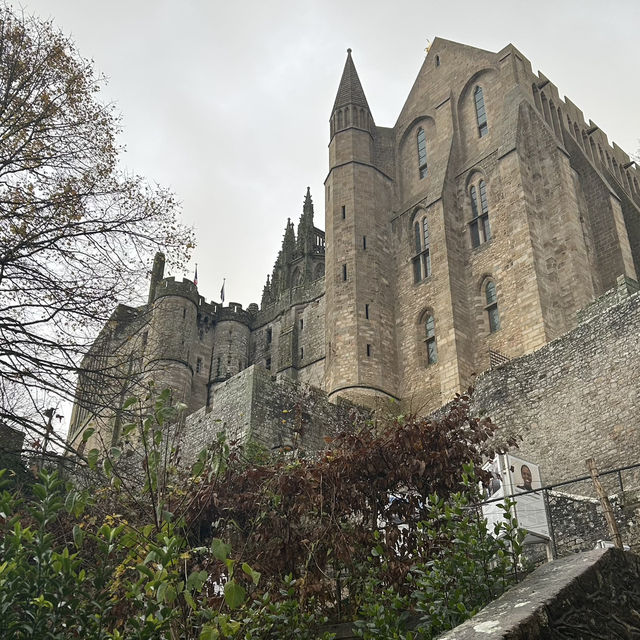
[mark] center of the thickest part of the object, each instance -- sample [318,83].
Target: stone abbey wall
[578,396]
[275,413]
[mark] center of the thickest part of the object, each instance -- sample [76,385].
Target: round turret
[231,342]
[172,332]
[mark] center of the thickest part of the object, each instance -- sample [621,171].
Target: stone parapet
[171,287]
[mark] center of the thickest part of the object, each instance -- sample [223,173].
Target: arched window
[479,227]
[422,258]
[481,112]
[430,339]
[422,153]
[491,306]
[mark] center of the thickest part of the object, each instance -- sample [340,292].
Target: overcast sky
[227,103]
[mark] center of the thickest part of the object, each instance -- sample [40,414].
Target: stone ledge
[595,594]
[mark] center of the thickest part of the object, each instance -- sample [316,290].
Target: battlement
[234,312]
[562,114]
[170,287]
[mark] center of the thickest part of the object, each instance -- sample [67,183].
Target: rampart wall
[578,396]
[278,414]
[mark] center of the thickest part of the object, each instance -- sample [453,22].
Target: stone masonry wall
[576,397]
[274,413]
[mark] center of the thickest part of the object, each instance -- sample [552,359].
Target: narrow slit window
[344,272]
[366,311]
[422,153]
[430,340]
[492,307]
[422,257]
[344,212]
[479,227]
[364,242]
[481,112]
[368,351]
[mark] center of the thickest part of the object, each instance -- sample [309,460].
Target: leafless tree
[76,232]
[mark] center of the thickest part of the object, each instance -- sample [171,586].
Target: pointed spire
[308,203]
[305,226]
[350,91]
[289,241]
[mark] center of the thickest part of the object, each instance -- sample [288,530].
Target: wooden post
[606,505]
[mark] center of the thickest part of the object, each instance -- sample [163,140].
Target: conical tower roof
[350,91]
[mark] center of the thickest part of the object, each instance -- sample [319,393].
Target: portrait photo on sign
[525,476]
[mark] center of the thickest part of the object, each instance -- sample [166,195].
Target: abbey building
[467,235]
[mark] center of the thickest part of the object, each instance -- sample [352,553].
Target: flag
[195,277]
[222,291]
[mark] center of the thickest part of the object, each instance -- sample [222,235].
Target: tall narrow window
[422,153]
[430,340]
[344,272]
[484,211]
[492,306]
[366,311]
[481,112]
[479,227]
[199,365]
[368,351]
[417,238]
[422,257]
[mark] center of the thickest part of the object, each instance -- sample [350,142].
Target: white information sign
[519,479]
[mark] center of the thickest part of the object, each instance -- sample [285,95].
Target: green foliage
[465,567]
[44,584]
[66,573]
[120,562]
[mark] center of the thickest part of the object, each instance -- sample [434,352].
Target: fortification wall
[274,413]
[576,397]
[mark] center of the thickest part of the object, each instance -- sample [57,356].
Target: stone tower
[360,358]
[171,337]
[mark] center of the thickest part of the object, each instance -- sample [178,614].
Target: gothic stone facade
[469,233]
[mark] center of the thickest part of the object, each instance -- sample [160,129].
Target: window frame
[481,112]
[421,142]
[479,225]
[490,292]
[421,259]
[429,339]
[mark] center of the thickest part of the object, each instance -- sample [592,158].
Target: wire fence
[574,514]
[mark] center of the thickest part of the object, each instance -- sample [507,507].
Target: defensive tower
[360,358]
